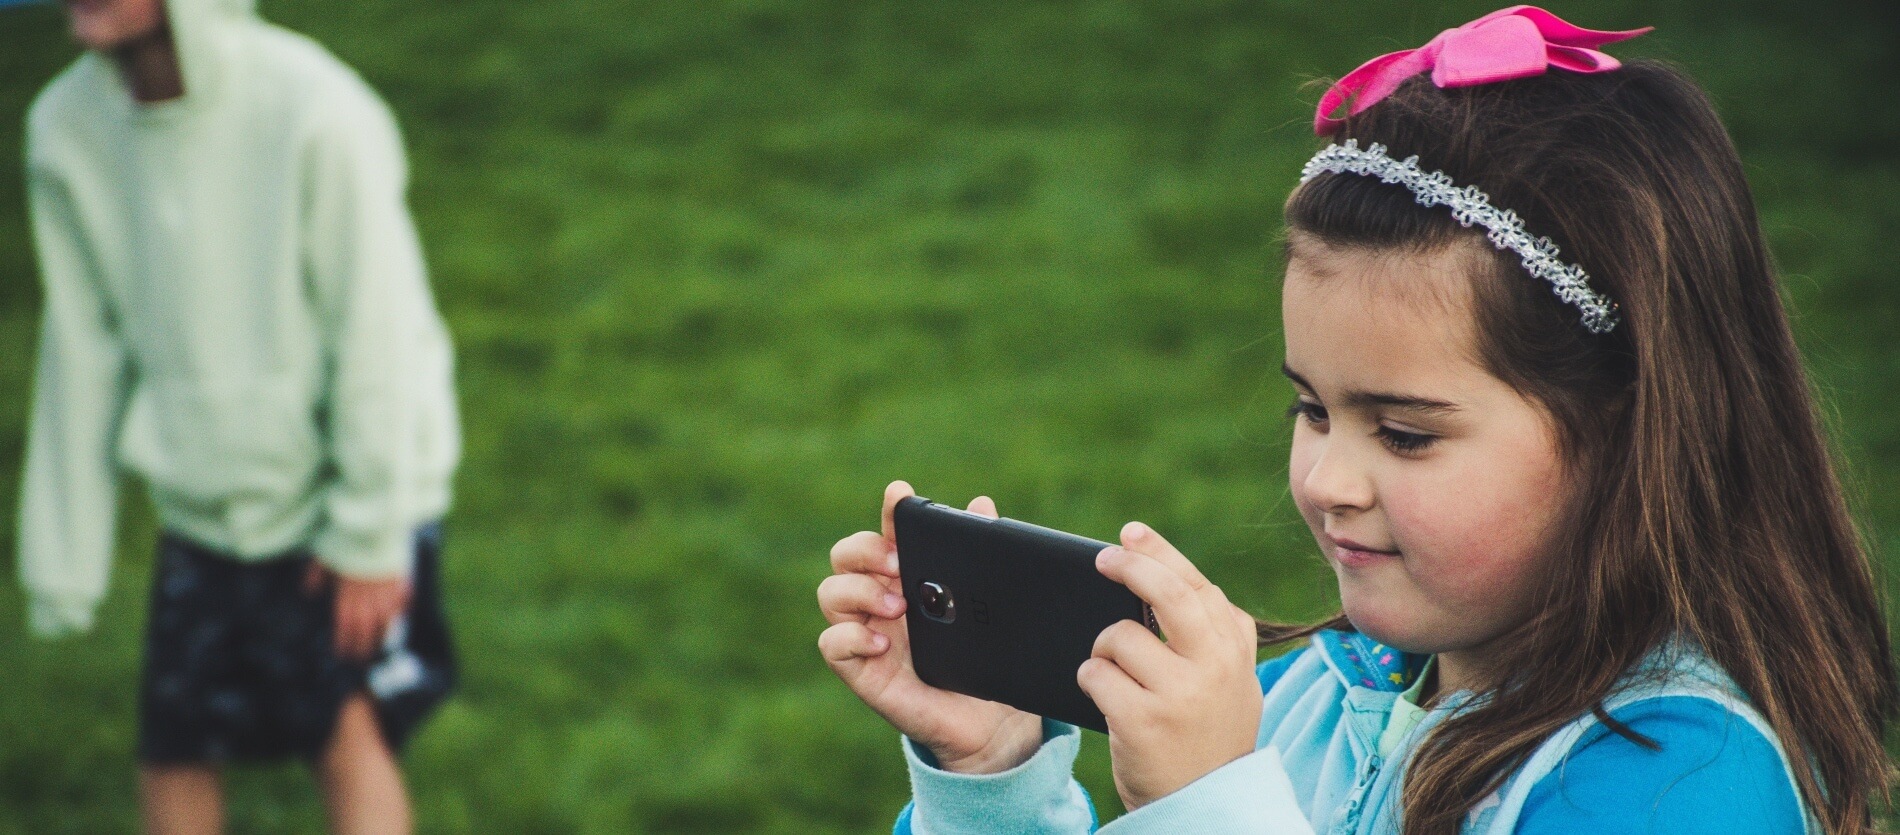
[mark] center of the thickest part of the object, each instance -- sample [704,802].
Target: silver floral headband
[1468,206]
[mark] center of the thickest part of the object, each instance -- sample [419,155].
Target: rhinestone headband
[1469,205]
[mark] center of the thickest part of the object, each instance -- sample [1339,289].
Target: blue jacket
[1318,767]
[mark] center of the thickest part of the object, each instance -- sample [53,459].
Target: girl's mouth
[1354,555]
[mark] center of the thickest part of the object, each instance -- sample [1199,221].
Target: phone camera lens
[935,602]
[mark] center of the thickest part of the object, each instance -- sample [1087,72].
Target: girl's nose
[1336,483]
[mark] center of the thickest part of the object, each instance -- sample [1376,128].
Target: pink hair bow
[1517,42]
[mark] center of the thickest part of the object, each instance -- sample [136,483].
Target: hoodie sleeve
[1251,794]
[1036,796]
[69,491]
[368,282]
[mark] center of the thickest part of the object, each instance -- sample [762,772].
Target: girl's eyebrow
[1359,399]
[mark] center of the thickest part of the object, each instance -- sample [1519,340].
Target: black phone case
[1028,604]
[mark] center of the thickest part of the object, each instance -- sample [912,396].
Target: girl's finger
[1136,536]
[1178,608]
[849,641]
[983,506]
[1114,692]
[1138,653]
[854,597]
[864,552]
[1246,635]
[1139,537]
[895,492]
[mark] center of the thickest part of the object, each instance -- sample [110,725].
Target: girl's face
[1430,485]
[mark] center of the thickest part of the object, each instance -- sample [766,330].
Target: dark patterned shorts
[240,662]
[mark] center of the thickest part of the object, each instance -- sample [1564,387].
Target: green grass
[718,271]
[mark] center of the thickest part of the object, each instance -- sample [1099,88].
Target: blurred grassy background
[719,270]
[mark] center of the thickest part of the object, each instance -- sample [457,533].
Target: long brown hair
[1707,504]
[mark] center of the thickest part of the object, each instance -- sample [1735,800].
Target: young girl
[1553,436]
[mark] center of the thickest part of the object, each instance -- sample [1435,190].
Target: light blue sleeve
[1037,796]
[1715,773]
[1251,794]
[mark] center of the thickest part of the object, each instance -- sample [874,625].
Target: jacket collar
[1358,661]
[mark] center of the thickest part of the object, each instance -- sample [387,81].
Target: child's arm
[1251,794]
[69,494]
[372,296]
[1036,796]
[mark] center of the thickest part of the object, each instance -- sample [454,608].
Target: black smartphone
[1004,610]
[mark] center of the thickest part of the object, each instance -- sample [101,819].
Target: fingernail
[893,604]
[879,642]
[1134,530]
[1108,555]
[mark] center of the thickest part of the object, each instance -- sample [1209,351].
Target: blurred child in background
[236,310]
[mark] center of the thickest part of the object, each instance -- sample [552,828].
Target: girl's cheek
[1413,515]
[1452,547]
[1474,554]
[1460,501]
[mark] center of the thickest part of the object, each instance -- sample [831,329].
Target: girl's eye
[1405,442]
[1312,412]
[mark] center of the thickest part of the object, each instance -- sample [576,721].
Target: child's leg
[362,784]
[181,799]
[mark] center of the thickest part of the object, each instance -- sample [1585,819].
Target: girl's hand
[868,646]
[1180,709]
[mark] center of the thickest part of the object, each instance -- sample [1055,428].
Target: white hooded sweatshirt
[236,311]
